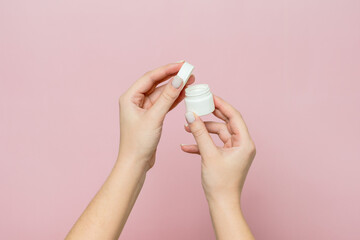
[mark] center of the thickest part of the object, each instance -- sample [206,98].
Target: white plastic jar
[199,99]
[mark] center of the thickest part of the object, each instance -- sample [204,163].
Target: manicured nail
[180,61]
[176,82]
[186,124]
[190,117]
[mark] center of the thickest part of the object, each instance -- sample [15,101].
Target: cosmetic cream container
[199,99]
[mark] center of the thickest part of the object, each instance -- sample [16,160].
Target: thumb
[201,134]
[168,96]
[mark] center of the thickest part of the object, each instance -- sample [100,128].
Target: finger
[167,98]
[216,128]
[200,133]
[152,78]
[225,108]
[235,120]
[194,149]
[156,85]
[156,93]
[182,93]
[218,114]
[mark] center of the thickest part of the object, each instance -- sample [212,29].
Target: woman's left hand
[143,108]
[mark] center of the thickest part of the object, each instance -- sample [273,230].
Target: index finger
[152,78]
[233,117]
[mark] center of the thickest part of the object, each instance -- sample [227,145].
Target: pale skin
[143,108]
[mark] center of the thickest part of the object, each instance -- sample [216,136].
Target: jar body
[199,99]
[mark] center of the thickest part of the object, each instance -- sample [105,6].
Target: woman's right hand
[223,169]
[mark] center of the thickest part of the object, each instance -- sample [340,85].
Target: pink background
[291,67]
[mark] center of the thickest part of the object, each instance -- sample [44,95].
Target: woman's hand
[142,111]
[224,169]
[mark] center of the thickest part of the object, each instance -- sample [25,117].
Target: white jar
[199,99]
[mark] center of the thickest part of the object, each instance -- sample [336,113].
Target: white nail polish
[190,117]
[176,82]
[185,72]
[199,99]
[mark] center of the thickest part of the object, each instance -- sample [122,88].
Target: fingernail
[180,61]
[186,124]
[176,82]
[190,117]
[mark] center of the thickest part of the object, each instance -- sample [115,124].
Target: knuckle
[147,73]
[164,71]
[121,99]
[168,96]
[197,132]
[167,70]
[223,130]
[251,148]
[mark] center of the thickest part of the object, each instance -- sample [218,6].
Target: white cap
[185,72]
[199,99]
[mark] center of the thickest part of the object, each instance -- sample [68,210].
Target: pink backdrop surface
[291,67]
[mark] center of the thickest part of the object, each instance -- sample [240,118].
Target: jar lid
[185,72]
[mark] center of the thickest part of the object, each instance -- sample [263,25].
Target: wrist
[225,204]
[223,198]
[131,163]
